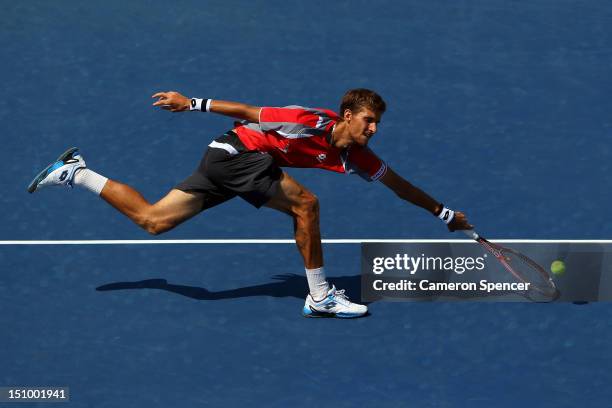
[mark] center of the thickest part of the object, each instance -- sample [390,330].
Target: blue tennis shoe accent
[59,173]
[334,304]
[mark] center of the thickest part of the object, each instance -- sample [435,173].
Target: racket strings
[524,269]
[530,272]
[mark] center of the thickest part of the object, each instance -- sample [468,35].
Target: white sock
[90,180]
[316,283]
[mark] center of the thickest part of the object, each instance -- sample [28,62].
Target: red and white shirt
[300,137]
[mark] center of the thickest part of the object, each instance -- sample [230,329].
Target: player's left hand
[172,101]
[459,222]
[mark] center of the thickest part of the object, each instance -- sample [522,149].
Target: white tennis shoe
[60,172]
[335,304]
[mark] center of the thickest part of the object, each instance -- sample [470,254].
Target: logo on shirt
[321,157]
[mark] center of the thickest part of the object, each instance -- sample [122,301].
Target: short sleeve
[363,162]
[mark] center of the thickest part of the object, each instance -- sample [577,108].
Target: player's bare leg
[177,206]
[70,170]
[294,199]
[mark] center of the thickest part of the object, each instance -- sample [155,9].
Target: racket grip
[472,234]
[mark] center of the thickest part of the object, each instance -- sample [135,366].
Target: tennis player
[246,162]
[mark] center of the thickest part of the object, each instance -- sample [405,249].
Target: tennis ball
[557,268]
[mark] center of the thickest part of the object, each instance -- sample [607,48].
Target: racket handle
[472,234]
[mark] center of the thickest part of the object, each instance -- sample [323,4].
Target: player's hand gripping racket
[541,286]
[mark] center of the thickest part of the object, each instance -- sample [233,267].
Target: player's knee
[312,203]
[155,226]
[154,229]
[309,206]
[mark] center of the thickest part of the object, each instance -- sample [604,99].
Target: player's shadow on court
[287,285]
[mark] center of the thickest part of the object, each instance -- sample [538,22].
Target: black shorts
[251,175]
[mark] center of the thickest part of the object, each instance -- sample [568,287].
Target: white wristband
[446,215]
[196,104]
[200,104]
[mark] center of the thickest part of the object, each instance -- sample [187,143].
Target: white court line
[290,241]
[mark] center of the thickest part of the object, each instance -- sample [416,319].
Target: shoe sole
[40,176]
[322,315]
[333,316]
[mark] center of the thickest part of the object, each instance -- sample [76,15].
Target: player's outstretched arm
[408,192]
[175,102]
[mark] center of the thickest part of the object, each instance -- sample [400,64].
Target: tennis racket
[541,286]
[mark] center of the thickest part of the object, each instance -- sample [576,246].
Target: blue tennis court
[498,108]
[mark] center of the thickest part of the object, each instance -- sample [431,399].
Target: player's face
[362,125]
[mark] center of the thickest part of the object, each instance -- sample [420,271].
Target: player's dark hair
[357,99]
